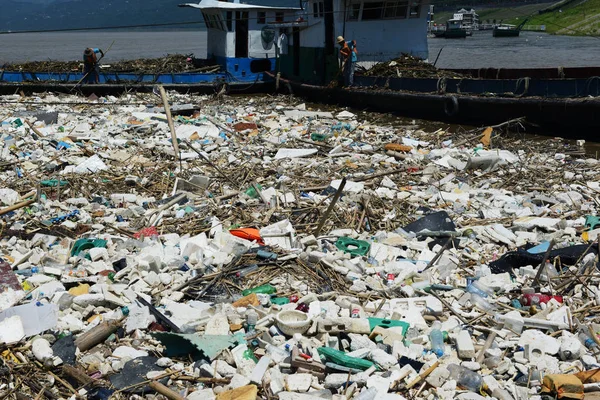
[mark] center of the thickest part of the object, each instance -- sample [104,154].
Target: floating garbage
[265,248]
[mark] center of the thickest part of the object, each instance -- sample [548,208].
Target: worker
[349,56]
[91,69]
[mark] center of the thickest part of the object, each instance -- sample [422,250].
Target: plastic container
[436,337]
[246,270]
[341,358]
[251,319]
[482,304]
[291,322]
[466,378]
[353,246]
[479,289]
[368,394]
[388,323]
[277,353]
[535,299]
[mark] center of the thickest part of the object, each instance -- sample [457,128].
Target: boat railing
[535,28]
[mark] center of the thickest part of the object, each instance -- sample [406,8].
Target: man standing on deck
[91,69]
[348,53]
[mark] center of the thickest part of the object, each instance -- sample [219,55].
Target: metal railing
[536,28]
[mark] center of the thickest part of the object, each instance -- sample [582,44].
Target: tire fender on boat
[451,106]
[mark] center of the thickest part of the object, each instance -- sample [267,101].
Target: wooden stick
[423,375]
[34,129]
[330,208]
[438,255]
[81,377]
[96,335]
[17,206]
[490,339]
[165,391]
[165,101]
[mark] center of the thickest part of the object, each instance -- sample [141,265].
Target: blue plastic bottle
[436,337]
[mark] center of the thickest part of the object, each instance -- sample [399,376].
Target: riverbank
[580,18]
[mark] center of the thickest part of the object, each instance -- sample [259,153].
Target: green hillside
[579,18]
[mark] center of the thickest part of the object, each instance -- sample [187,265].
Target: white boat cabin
[383,30]
[239,37]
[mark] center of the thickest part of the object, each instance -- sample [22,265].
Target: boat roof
[221,5]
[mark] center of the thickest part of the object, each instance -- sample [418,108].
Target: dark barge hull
[573,118]
[119,88]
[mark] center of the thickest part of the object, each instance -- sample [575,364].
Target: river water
[529,50]
[481,50]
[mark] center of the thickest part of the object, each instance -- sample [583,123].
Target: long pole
[438,56]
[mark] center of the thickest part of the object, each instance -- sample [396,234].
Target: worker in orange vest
[349,56]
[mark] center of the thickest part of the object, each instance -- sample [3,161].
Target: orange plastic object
[398,147]
[251,234]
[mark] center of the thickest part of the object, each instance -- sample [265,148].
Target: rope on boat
[451,106]
[441,85]
[458,85]
[588,82]
[525,89]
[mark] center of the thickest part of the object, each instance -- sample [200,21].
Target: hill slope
[579,18]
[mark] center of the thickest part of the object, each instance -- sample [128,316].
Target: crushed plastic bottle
[436,337]
[479,288]
[466,378]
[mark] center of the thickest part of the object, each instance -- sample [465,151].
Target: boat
[454,30]
[552,102]
[507,30]
[240,40]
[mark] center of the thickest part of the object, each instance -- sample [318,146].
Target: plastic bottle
[264,289]
[119,314]
[586,339]
[436,337]
[246,270]
[251,319]
[470,233]
[368,394]
[482,303]
[479,289]
[266,255]
[466,378]
[277,353]
[28,271]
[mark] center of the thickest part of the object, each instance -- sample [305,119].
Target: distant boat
[505,30]
[454,30]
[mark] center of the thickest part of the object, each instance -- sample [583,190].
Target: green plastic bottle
[280,301]
[264,289]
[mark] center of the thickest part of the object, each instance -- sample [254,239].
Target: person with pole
[349,55]
[91,67]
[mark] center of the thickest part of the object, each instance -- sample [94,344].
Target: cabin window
[318,9]
[415,9]
[229,21]
[396,9]
[262,17]
[354,12]
[214,21]
[279,17]
[372,11]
